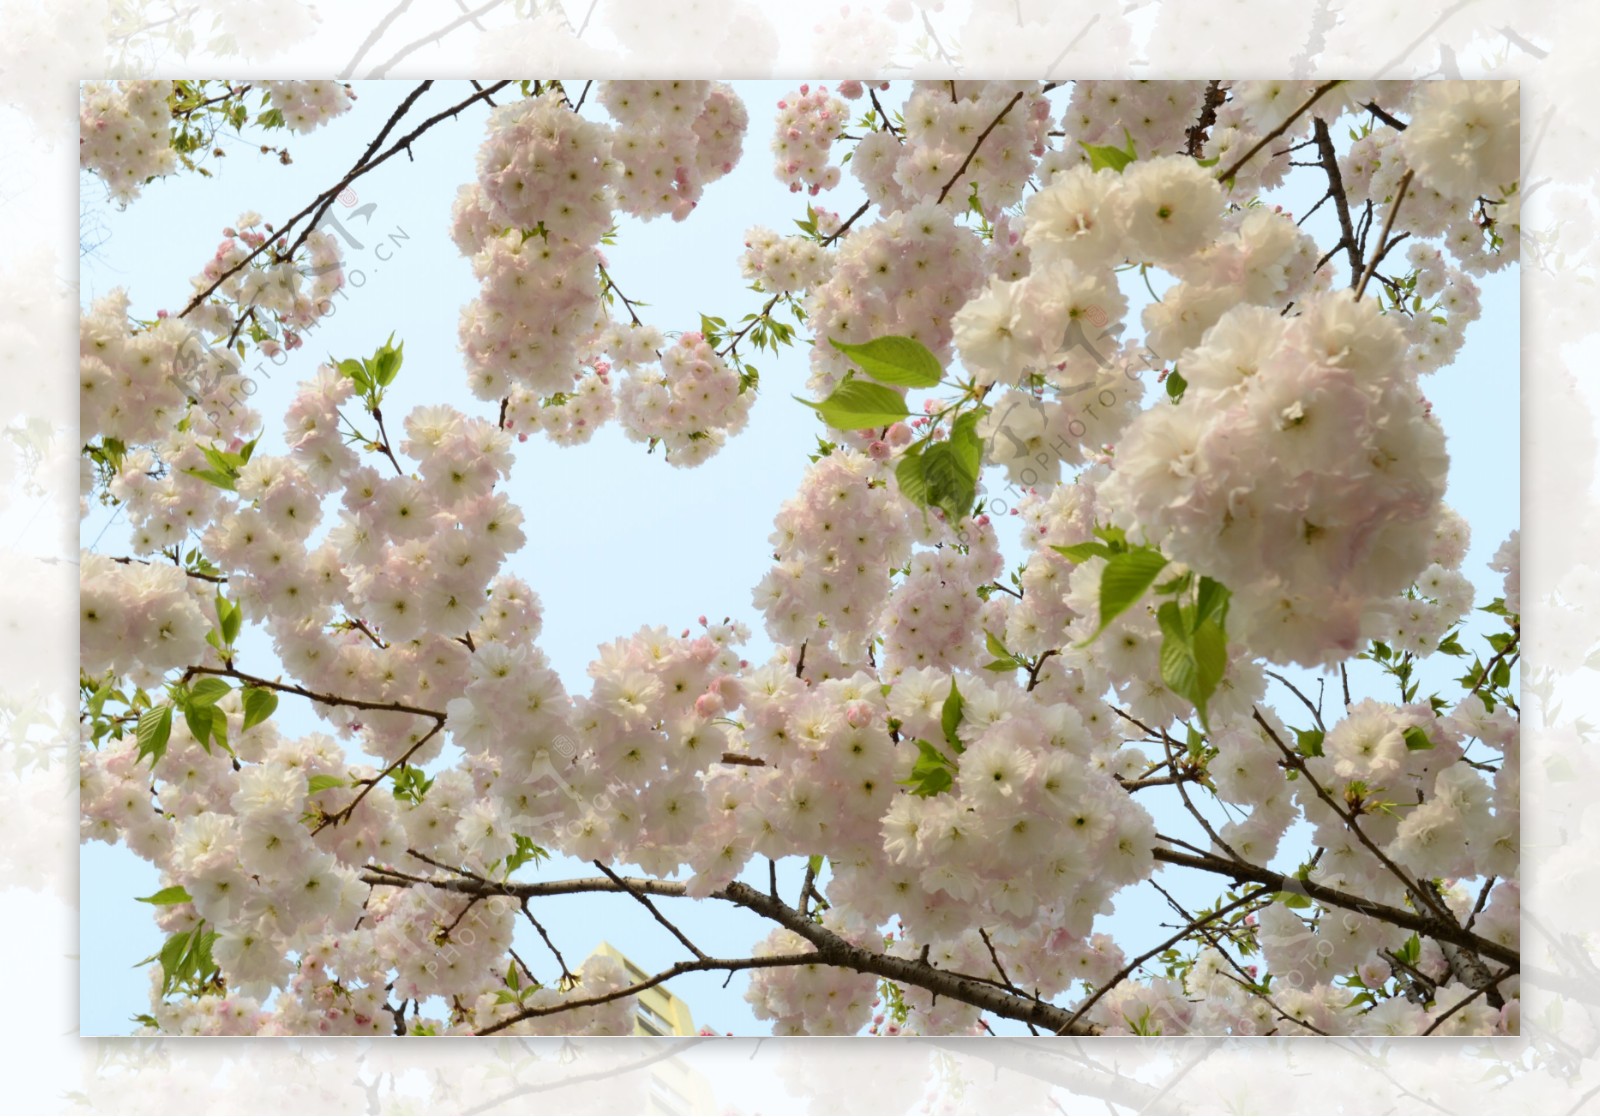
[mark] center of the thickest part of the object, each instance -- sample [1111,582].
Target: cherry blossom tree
[964,756]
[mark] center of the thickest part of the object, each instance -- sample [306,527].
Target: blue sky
[616,539]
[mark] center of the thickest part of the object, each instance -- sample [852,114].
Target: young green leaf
[860,405]
[1124,580]
[155,728]
[173,894]
[901,361]
[950,717]
[1416,739]
[259,703]
[208,691]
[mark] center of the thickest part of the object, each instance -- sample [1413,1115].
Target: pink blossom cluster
[691,403]
[783,264]
[308,105]
[905,275]
[835,543]
[808,1000]
[123,134]
[672,138]
[942,123]
[809,120]
[1347,513]
[542,165]
[536,316]
[137,619]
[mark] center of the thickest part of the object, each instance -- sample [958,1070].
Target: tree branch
[1276,132]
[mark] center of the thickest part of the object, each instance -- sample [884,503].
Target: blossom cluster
[672,138]
[809,120]
[123,134]
[308,105]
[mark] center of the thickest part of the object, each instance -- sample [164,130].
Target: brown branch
[363,166]
[217,579]
[961,170]
[1122,975]
[1276,132]
[1465,1001]
[842,229]
[1331,897]
[652,909]
[610,285]
[1038,665]
[733,344]
[772,961]
[831,949]
[1329,159]
[344,814]
[1384,243]
[566,974]
[1394,122]
[314,696]
[1195,137]
[1297,762]
[383,443]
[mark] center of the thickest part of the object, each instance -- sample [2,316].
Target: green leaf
[215,477]
[155,728]
[996,648]
[1310,741]
[230,618]
[1176,585]
[259,702]
[950,717]
[912,476]
[356,371]
[386,362]
[815,864]
[1292,899]
[1105,156]
[965,443]
[900,361]
[199,719]
[526,851]
[933,772]
[1083,552]
[173,894]
[319,784]
[1192,661]
[1124,581]
[952,482]
[1175,384]
[1416,739]
[1211,600]
[208,691]
[860,405]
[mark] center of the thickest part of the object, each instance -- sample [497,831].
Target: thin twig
[1276,132]
[1384,244]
